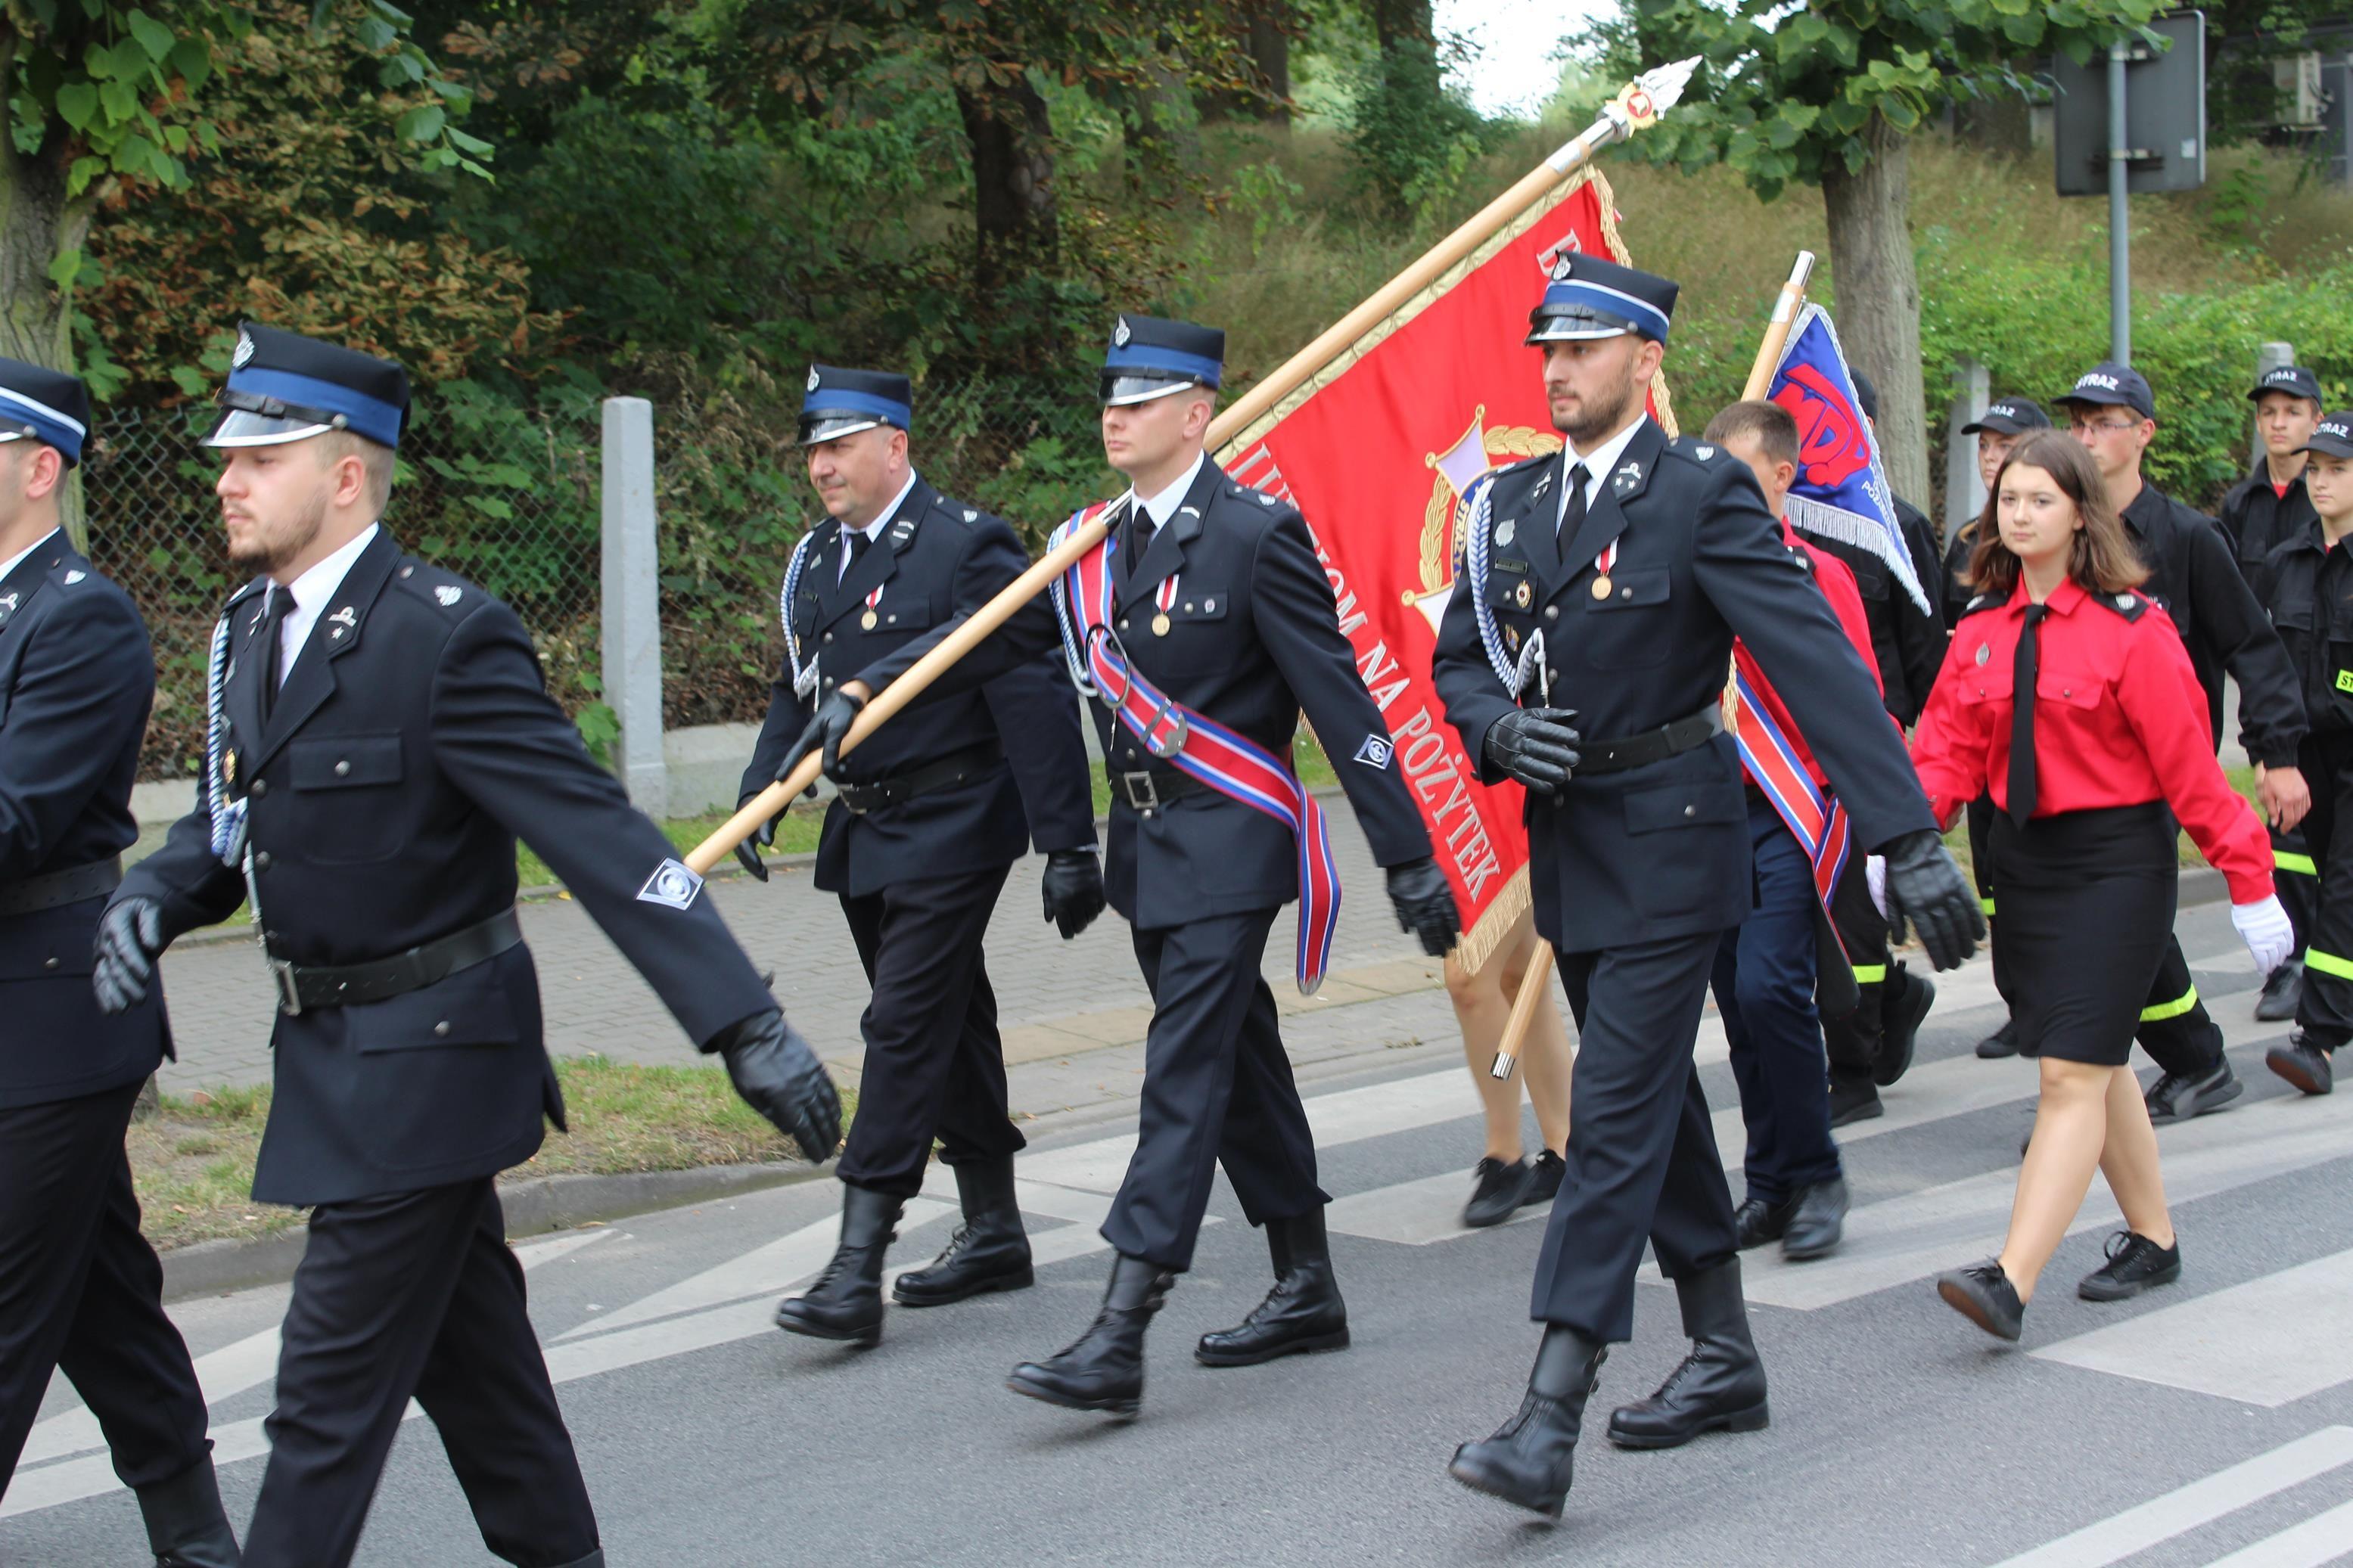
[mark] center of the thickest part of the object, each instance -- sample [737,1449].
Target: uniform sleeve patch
[1374,752]
[672,885]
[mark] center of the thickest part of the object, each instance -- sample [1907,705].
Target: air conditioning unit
[2302,100]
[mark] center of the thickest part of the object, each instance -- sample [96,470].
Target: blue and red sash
[1231,763]
[1818,821]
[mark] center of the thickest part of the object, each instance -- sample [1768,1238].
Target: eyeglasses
[2104,426]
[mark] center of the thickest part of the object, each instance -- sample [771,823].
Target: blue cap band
[379,422]
[829,399]
[1646,317]
[1175,362]
[49,427]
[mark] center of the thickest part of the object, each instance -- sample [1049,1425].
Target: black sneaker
[1543,1179]
[1853,1098]
[2135,1263]
[2303,1062]
[1497,1189]
[1983,1294]
[1899,1024]
[2002,1042]
[2177,1096]
[2283,990]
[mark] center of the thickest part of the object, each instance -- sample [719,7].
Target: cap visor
[816,431]
[243,427]
[1120,391]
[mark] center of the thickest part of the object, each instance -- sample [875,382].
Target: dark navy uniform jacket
[922,561]
[411,742]
[1663,850]
[1255,638]
[77,677]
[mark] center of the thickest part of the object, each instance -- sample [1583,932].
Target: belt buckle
[851,798]
[1148,800]
[290,995]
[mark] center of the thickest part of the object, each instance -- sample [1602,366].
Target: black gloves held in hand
[778,1074]
[1425,904]
[129,940]
[1925,887]
[1074,889]
[825,732]
[1537,746]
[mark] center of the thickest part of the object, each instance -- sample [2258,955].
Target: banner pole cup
[1636,107]
[1537,983]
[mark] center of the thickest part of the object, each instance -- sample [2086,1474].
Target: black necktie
[859,545]
[2021,717]
[1139,536]
[273,621]
[1572,511]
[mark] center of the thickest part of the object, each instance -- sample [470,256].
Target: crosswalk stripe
[2324,1537]
[2269,1342]
[2200,1503]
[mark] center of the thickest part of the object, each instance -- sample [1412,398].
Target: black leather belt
[1150,789]
[57,888]
[953,769]
[303,987]
[1652,746]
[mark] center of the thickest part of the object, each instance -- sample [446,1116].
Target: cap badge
[243,353]
[2093,378]
[1120,334]
[812,380]
[447,595]
[1562,265]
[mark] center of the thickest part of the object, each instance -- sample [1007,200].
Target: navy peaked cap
[46,405]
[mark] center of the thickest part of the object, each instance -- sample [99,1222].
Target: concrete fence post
[632,601]
[1965,491]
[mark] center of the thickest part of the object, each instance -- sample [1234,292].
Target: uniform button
[1188,606]
[1210,605]
[1625,592]
[261,860]
[441,1029]
[892,620]
[1123,623]
[342,767]
[409,570]
[260,788]
[829,681]
[1552,612]
[828,636]
[1691,811]
[52,963]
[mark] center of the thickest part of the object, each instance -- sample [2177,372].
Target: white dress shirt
[1164,505]
[313,591]
[873,531]
[23,555]
[1598,465]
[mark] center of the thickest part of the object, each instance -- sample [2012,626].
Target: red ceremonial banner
[1376,451]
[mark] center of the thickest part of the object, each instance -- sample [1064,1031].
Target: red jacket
[1846,603]
[2119,720]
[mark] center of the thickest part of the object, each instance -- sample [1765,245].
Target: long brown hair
[2102,559]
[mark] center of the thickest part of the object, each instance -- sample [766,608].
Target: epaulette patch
[2130,606]
[1696,451]
[1984,602]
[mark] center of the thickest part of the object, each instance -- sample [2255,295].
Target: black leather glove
[1927,889]
[778,1074]
[1537,746]
[825,730]
[129,940]
[1072,886]
[1425,904]
[747,853]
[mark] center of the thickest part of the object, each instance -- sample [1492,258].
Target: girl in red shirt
[2081,775]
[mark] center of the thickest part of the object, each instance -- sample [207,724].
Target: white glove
[2264,927]
[1874,873]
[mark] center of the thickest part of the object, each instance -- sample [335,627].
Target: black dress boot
[1303,1312]
[185,1523]
[1721,1384]
[1103,1368]
[845,1302]
[1532,1458]
[989,1251]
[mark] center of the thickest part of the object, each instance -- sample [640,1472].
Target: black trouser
[2325,1011]
[415,1295]
[81,1292]
[1217,1090]
[2296,875]
[1642,1159]
[1853,1038]
[935,1066]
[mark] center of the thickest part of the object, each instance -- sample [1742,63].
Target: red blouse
[2119,720]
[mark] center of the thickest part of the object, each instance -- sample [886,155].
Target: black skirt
[2087,901]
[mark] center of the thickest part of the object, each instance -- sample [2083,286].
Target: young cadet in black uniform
[2004,422]
[1907,637]
[379,735]
[2262,513]
[2194,578]
[1217,604]
[931,815]
[1638,560]
[80,1288]
[2311,591]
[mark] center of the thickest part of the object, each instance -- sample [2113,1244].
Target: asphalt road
[2208,1422]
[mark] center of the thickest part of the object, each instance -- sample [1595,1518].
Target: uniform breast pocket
[898,618]
[346,798]
[2068,687]
[1629,629]
[1199,623]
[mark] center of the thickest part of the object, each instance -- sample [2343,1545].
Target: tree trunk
[1878,293]
[1402,21]
[1270,53]
[1013,179]
[36,226]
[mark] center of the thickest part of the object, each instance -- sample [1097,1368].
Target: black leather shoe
[1720,1387]
[1304,1312]
[989,1251]
[2002,1042]
[2135,1263]
[845,1302]
[1103,1369]
[186,1526]
[1757,1222]
[1532,1458]
[1543,1179]
[1903,1003]
[2177,1096]
[1983,1294]
[1817,1221]
[1854,1097]
[2283,990]
[2303,1063]
[1497,1190]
